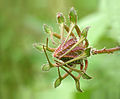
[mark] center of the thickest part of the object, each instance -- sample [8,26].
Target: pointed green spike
[73,15]
[47,28]
[85,32]
[78,86]
[60,18]
[57,82]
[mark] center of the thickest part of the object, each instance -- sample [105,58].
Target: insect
[72,53]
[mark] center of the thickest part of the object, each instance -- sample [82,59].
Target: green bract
[57,82]
[60,18]
[73,16]
[47,29]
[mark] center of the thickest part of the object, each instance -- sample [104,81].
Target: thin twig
[102,51]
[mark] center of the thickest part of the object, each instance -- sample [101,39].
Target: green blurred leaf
[95,21]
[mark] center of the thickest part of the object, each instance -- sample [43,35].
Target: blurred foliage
[20,64]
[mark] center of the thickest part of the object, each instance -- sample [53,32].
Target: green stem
[69,73]
[71,29]
[62,31]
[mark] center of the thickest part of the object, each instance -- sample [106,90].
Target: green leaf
[60,18]
[57,82]
[73,15]
[47,29]
[78,86]
[46,67]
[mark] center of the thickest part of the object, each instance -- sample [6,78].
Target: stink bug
[72,52]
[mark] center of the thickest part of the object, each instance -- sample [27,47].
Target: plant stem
[69,73]
[66,74]
[56,35]
[102,51]
[62,31]
[67,29]
[59,73]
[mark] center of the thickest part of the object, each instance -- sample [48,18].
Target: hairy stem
[102,51]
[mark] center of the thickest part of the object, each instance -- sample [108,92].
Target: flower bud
[47,29]
[46,67]
[57,82]
[60,18]
[78,86]
[38,46]
[85,31]
[73,16]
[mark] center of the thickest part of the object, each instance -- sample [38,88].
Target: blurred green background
[21,25]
